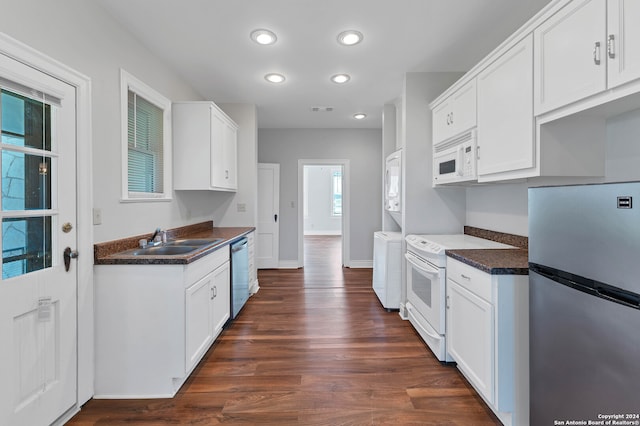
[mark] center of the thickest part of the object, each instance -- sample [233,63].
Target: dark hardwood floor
[312,347]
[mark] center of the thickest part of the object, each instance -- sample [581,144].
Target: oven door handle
[416,321]
[421,265]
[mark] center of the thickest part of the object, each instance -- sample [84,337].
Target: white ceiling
[207,42]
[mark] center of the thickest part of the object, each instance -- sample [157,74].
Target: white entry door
[38,303]
[268,229]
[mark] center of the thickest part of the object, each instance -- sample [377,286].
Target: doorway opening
[323,214]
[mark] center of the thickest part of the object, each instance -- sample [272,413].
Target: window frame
[130,83]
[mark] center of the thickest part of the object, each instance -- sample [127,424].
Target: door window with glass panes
[27,161]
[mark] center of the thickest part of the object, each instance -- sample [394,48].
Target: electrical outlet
[242,207]
[97,216]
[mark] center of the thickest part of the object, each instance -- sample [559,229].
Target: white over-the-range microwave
[454,160]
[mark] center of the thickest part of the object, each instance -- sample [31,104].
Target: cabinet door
[623,41]
[455,114]
[221,297]
[230,156]
[441,116]
[218,179]
[470,337]
[198,319]
[505,112]
[570,55]
[463,114]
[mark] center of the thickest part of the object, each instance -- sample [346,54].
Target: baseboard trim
[254,288]
[312,233]
[403,312]
[288,264]
[361,264]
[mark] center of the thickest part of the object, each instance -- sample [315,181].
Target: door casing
[40,61]
[346,197]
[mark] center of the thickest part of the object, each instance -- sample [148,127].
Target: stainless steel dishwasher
[239,275]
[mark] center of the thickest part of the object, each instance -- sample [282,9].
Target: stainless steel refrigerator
[584,284]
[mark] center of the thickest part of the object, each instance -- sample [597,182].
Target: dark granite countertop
[494,261]
[114,252]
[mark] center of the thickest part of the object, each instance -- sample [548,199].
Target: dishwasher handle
[239,245]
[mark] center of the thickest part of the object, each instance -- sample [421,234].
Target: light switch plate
[97,216]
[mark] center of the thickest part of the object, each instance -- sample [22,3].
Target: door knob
[68,255]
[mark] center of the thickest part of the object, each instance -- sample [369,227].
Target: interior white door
[38,302]
[268,229]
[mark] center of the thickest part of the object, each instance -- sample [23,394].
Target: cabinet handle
[226,174]
[215,291]
[212,293]
[451,117]
[448,122]
[465,277]
[596,53]
[611,46]
[448,305]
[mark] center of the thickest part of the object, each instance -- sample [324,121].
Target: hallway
[312,347]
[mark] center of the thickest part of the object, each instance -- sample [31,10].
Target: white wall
[498,207]
[426,210]
[623,147]
[318,191]
[503,207]
[241,208]
[363,147]
[81,35]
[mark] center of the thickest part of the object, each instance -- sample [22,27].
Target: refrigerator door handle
[619,296]
[589,286]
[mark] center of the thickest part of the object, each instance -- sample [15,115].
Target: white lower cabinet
[488,337]
[155,322]
[221,298]
[207,309]
[253,271]
[198,320]
[470,337]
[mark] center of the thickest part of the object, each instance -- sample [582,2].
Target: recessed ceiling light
[360,116]
[263,37]
[350,37]
[340,78]
[274,78]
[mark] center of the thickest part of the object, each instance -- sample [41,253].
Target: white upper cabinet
[455,114]
[505,113]
[570,55]
[623,41]
[589,46]
[204,147]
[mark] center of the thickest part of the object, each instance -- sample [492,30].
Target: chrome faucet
[157,232]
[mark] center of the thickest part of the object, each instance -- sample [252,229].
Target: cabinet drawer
[474,280]
[201,267]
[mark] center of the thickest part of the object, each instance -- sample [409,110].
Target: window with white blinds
[147,134]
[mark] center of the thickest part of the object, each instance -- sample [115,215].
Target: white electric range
[426,283]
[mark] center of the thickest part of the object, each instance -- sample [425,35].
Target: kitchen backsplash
[501,237]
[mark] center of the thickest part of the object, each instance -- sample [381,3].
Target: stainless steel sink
[164,250]
[193,242]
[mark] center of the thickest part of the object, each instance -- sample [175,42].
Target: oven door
[426,291]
